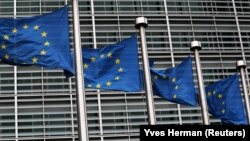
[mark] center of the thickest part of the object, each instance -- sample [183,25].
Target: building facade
[40,104]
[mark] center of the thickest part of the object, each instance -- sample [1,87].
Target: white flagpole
[80,91]
[141,24]
[196,46]
[241,65]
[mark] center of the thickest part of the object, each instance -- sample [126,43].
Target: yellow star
[173,80]
[36,27]
[34,60]
[44,34]
[47,43]
[223,111]
[174,96]
[102,56]
[25,26]
[109,55]
[117,61]
[6,37]
[43,52]
[98,86]
[120,69]
[108,83]
[208,94]
[164,76]
[92,59]
[155,77]
[220,96]
[117,78]
[85,66]
[3,46]
[6,56]
[14,30]
[89,85]
[176,87]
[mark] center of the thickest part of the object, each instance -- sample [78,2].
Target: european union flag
[40,40]
[225,102]
[176,84]
[113,67]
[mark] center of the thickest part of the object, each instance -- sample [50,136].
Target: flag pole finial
[240,63]
[141,21]
[195,45]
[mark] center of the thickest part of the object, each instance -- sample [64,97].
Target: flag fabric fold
[113,67]
[225,102]
[40,40]
[175,84]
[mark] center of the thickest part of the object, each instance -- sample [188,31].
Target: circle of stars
[24,28]
[219,97]
[109,56]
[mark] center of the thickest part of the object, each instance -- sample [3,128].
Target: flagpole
[195,47]
[81,101]
[241,65]
[15,86]
[141,24]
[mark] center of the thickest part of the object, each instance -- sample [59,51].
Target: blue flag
[225,102]
[175,84]
[41,41]
[113,67]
